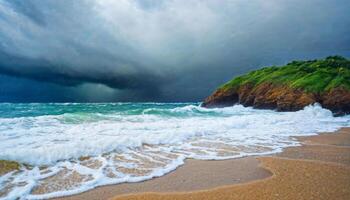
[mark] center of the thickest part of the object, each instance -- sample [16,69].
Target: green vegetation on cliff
[315,76]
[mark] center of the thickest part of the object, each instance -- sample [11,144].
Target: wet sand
[319,169]
[193,175]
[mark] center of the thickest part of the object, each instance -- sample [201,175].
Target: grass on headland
[315,76]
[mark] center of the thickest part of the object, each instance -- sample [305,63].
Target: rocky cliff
[290,87]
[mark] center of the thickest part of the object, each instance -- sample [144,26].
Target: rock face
[337,100]
[279,97]
[331,84]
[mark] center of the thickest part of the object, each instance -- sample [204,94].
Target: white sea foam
[124,147]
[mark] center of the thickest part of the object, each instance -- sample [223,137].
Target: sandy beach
[319,169]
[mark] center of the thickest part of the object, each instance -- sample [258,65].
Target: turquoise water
[130,142]
[10,110]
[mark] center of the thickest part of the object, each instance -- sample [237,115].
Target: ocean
[68,148]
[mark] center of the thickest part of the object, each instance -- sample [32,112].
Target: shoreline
[193,175]
[324,152]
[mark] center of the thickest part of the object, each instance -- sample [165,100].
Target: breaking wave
[70,148]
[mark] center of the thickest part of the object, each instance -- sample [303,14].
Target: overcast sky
[156,50]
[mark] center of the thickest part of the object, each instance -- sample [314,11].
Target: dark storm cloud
[43,70]
[52,43]
[28,9]
[160,50]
